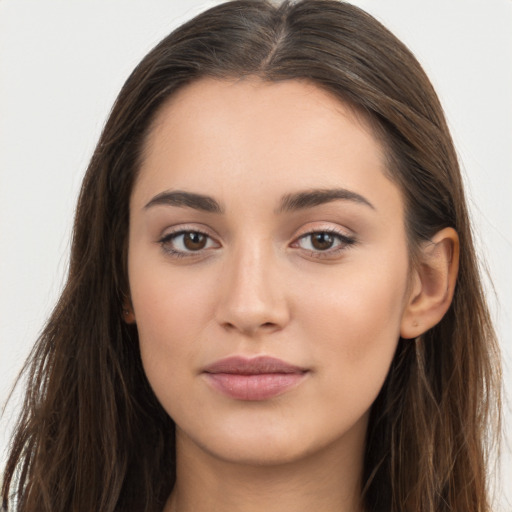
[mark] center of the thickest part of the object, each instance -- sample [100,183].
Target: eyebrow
[186,199]
[289,202]
[311,198]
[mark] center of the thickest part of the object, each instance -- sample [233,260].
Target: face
[268,269]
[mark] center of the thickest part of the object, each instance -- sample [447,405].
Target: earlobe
[128,314]
[433,284]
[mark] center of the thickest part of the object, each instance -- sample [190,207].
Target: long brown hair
[92,435]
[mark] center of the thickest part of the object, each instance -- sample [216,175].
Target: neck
[329,480]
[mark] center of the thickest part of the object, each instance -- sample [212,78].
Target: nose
[253,299]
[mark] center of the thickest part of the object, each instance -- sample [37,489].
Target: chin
[258,451]
[270,442]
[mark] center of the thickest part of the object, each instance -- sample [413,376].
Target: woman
[273,300]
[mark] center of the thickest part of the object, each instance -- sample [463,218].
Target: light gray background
[62,64]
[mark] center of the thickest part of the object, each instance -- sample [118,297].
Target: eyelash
[177,253]
[344,242]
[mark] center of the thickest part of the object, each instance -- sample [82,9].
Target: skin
[259,286]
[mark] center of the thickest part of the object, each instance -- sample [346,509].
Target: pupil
[322,241]
[194,241]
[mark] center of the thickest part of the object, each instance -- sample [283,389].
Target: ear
[432,284]
[128,313]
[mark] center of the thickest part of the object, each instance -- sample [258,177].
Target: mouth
[254,379]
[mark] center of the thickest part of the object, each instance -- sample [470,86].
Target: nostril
[267,326]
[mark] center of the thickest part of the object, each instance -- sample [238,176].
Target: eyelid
[324,227]
[185,228]
[182,229]
[346,240]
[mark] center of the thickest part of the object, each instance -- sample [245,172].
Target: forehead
[260,136]
[250,102]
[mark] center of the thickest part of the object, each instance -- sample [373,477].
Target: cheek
[167,300]
[171,311]
[354,321]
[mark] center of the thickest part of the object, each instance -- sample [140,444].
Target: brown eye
[322,241]
[185,243]
[194,241]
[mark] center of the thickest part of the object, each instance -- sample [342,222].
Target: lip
[253,379]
